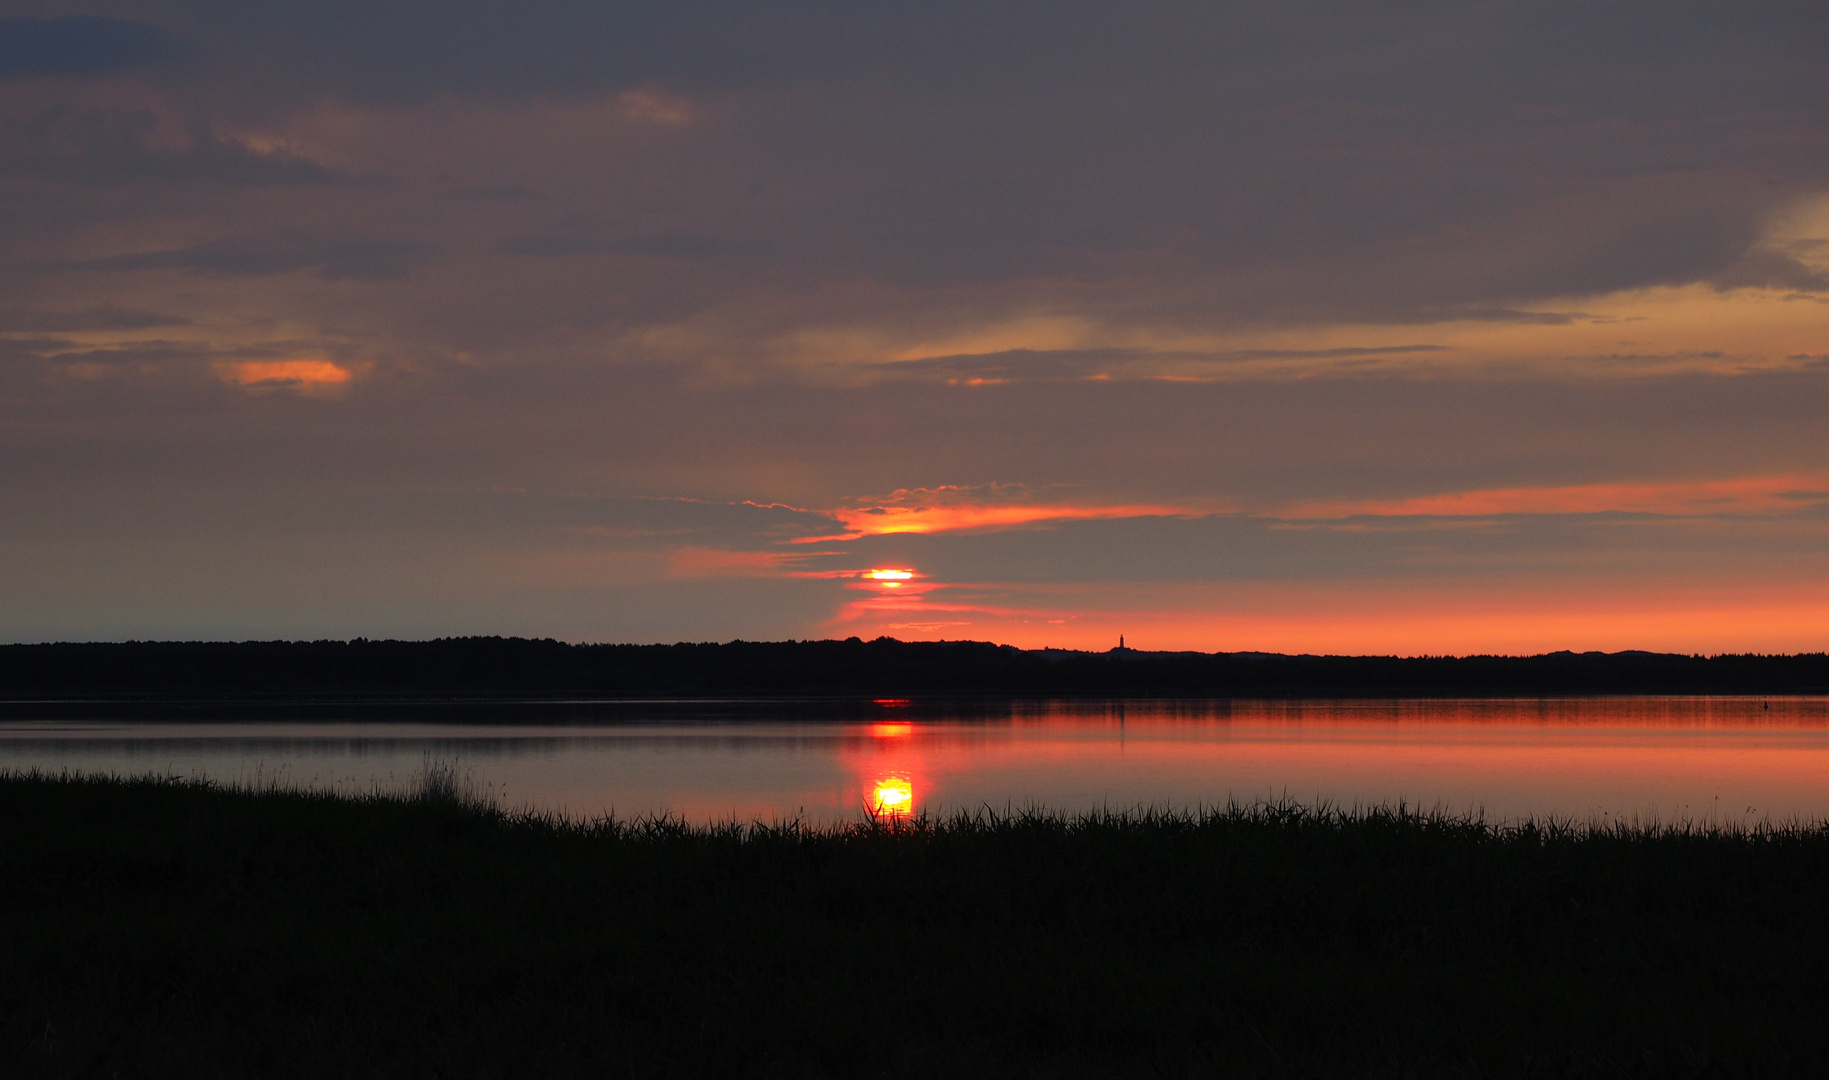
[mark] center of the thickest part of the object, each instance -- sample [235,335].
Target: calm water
[1669,758]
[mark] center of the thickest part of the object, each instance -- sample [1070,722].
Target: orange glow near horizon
[1394,619]
[1778,604]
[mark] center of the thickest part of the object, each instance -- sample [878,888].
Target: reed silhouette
[167,928]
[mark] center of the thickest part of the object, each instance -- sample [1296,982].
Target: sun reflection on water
[892,796]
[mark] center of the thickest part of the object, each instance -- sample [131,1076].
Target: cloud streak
[966,509]
[1735,495]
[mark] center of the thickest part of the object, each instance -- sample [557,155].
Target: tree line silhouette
[544,668]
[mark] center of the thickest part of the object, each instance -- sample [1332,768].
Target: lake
[1719,759]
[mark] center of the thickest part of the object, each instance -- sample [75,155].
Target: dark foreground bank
[170,929]
[292,674]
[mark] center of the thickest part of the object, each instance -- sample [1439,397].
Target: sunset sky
[1324,327]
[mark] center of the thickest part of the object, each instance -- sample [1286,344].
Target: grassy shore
[164,928]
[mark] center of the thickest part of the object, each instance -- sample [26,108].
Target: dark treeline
[488,667]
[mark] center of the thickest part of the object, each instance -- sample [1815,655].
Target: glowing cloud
[959,509]
[884,520]
[284,374]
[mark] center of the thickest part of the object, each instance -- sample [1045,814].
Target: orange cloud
[882,520]
[284,374]
[1737,495]
[959,509]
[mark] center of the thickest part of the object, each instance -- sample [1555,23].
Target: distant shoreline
[542,674]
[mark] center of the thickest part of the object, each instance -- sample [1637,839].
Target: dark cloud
[584,241]
[78,45]
[1219,162]
[491,193]
[145,353]
[1031,364]
[1771,270]
[101,317]
[1490,313]
[138,352]
[124,146]
[349,260]
[1691,354]
[1563,53]
[14,349]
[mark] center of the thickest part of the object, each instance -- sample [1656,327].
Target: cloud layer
[658,320]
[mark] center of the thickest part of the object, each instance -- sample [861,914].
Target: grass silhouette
[166,927]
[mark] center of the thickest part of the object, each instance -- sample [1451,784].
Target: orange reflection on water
[1732,760]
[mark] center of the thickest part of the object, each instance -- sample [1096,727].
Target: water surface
[1722,759]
